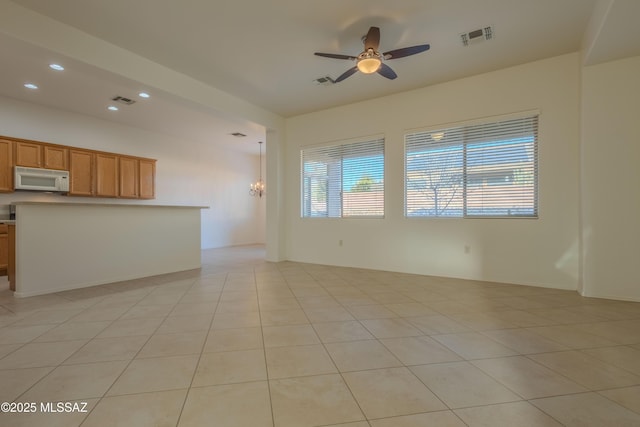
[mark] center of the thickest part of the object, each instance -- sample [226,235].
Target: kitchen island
[62,246]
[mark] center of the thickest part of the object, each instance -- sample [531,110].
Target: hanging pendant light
[258,189]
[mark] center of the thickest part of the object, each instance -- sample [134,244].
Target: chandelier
[258,189]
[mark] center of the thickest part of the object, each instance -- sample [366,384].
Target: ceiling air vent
[123,100]
[477,36]
[324,81]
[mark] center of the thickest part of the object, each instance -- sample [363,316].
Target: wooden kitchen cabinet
[56,157]
[6,166]
[91,173]
[11,267]
[29,154]
[81,173]
[147,169]
[106,175]
[129,178]
[37,155]
[4,249]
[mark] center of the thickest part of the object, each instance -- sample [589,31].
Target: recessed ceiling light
[112,108]
[143,95]
[56,67]
[30,86]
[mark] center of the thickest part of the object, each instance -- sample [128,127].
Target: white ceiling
[262,52]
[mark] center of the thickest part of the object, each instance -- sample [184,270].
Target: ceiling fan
[370,60]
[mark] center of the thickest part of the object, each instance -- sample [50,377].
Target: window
[345,180]
[474,170]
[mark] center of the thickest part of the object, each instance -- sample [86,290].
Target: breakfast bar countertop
[108,205]
[64,246]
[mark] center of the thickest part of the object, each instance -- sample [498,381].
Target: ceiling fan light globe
[369,65]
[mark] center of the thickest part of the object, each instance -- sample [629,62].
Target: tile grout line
[204,343]
[104,395]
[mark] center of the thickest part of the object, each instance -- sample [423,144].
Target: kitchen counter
[62,246]
[109,205]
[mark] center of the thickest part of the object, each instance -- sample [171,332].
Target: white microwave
[37,179]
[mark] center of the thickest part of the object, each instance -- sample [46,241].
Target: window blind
[345,180]
[478,170]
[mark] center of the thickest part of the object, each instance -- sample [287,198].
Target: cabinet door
[128,169]
[6,166]
[56,157]
[11,268]
[4,254]
[4,248]
[106,175]
[29,154]
[80,173]
[147,179]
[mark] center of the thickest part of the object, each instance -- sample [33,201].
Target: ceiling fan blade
[346,74]
[372,39]
[335,56]
[405,51]
[387,72]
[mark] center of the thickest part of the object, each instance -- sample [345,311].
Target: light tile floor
[243,342]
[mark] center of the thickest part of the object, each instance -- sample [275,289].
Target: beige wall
[610,175]
[537,252]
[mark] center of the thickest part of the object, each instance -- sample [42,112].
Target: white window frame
[482,130]
[335,177]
